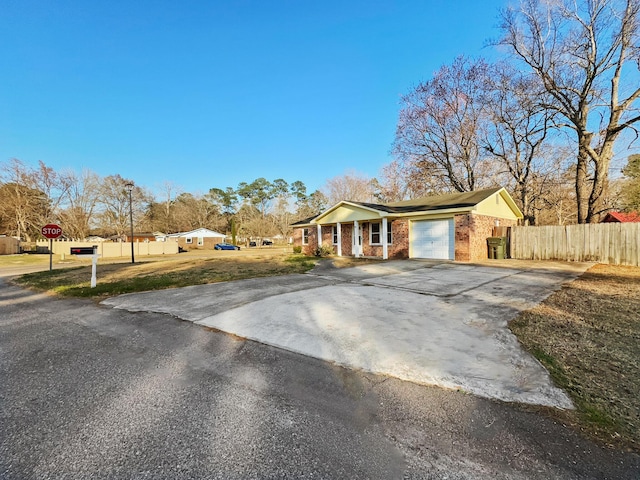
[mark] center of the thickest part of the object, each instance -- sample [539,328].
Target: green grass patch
[48,280]
[302,261]
[590,415]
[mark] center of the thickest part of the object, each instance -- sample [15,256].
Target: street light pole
[129,186]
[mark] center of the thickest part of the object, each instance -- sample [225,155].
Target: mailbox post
[88,252]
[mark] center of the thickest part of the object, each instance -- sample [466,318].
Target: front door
[356,241]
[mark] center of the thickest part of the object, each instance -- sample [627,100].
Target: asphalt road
[87,391]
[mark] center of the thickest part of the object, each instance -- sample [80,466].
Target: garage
[432,239]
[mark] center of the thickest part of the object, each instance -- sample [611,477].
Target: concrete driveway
[428,322]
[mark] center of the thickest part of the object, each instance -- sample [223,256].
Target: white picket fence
[613,243]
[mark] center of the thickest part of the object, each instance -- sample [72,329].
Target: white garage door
[432,239]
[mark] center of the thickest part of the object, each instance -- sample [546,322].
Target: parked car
[226,246]
[267,242]
[252,244]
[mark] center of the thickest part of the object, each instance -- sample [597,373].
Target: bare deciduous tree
[113,207]
[393,184]
[557,205]
[80,203]
[31,196]
[165,221]
[282,217]
[352,186]
[438,131]
[515,131]
[586,55]
[196,211]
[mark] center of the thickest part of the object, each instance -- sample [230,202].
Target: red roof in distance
[620,217]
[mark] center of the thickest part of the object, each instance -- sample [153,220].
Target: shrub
[297,249]
[323,251]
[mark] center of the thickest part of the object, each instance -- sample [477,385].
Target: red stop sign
[51,230]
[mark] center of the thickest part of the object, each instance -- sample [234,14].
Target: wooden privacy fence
[614,243]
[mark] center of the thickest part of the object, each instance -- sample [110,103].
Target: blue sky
[211,93]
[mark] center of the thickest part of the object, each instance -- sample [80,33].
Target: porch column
[356,239]
[319,235]
[385,247]
[339,231]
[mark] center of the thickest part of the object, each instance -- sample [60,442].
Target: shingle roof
[458,200]
[304,221]
[437,202]
[202,230]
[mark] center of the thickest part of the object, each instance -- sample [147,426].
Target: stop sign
[51,230]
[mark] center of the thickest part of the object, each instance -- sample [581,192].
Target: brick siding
[471,235]
[208,243]
[345,234]
[312,244]
[399,246]
[399,238]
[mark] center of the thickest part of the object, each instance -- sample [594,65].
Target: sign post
[51,231]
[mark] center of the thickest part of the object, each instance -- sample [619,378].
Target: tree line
[87,204]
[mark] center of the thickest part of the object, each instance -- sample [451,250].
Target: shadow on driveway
[429,322]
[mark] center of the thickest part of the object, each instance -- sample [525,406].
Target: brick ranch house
[452,227]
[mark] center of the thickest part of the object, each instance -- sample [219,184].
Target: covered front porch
[356,238]
[355,230]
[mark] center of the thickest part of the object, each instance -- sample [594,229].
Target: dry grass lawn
[588,336]
[168,272]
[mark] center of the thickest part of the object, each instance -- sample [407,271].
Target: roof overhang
[346,212]
[507,210]
[507,198]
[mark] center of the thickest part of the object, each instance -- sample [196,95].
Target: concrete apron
[426,322]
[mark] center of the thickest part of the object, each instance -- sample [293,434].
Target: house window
[374,234]
[200,241]
[335,235]
[188,240]
[305,236]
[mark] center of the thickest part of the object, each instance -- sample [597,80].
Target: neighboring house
[619,217]
[199,238]
[453,226]
[141,237]
[9,245]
